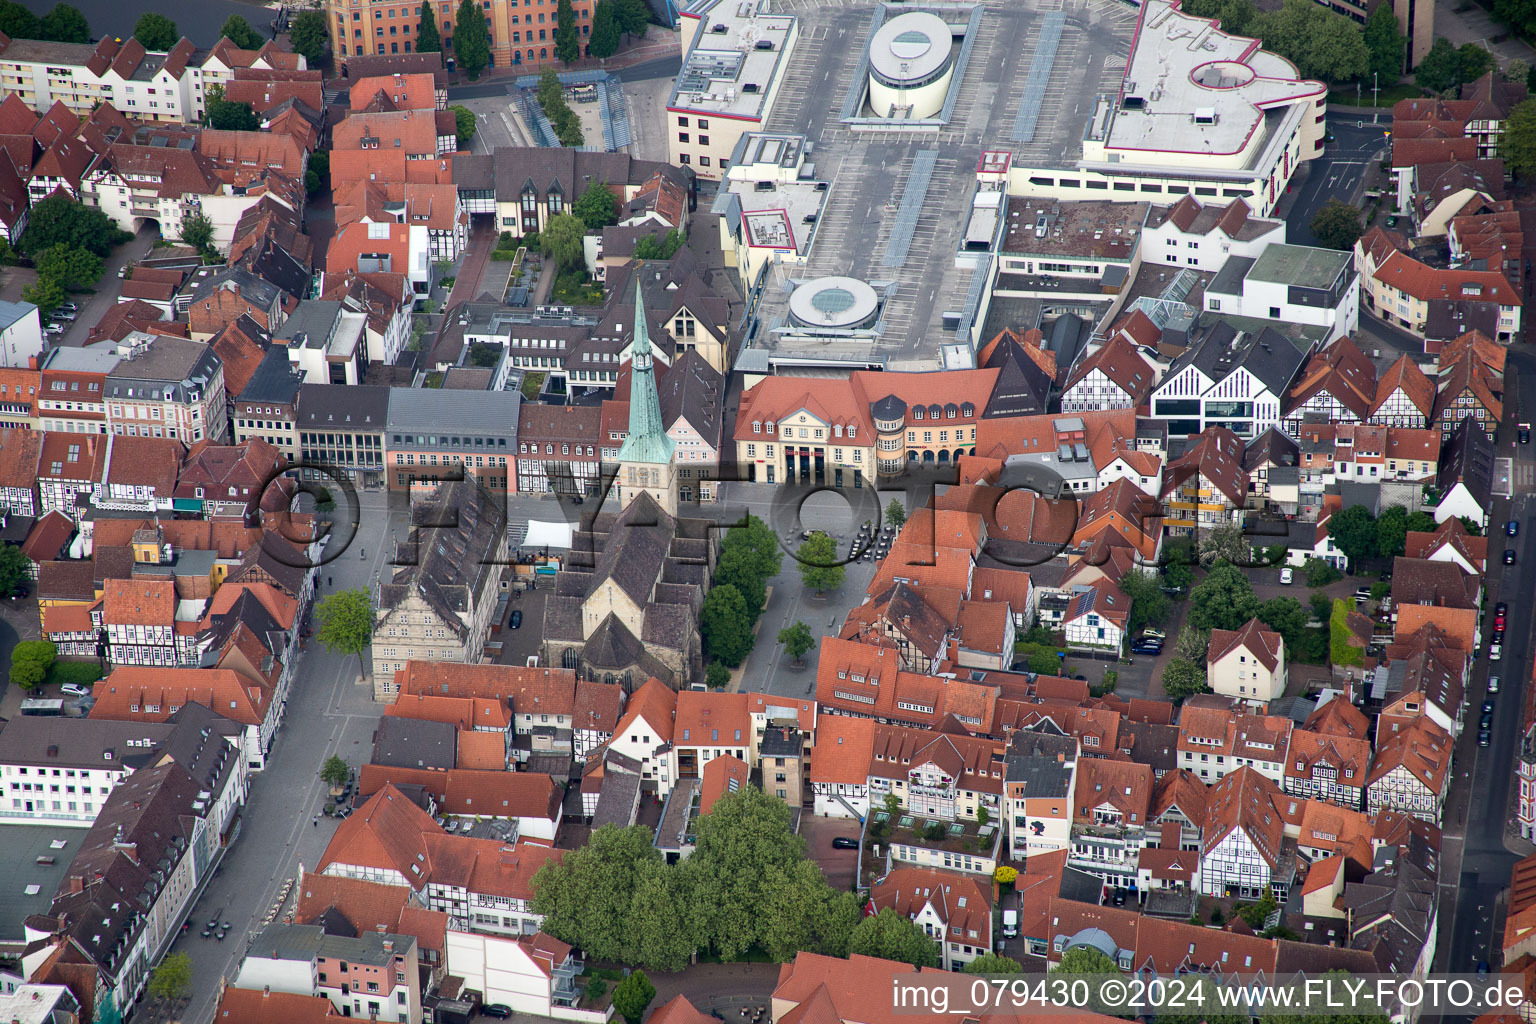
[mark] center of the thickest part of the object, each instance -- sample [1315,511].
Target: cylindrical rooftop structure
[837,303]
[910,65]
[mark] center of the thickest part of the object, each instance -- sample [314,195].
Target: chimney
[76,883]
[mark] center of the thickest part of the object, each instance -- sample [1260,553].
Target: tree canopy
[1385,40]
[1225,543]
[30,662]
[65,24]
[471,39]
[819,568]
[71,267]
[1319,42]
[1517,144]
[567,42]
[308,35]
[173,978]
[156,32]
[632,995]
[726,626]
[239,31]
[1223,600]
[14,568]
[1183,678]
[463,125]
[1353,531]
[60,220]
[335,772]
[561,240]
[232,116]
[1149,605]
[651,248]
[797,640]
[345,621]
[892,936]
[604,41]
[597,207]
[428,39]
[1336,223]
[1440,68]
[633,16]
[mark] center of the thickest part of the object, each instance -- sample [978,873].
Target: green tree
[308,35]
[1336,223]
[1440,67]
[737,569]
[803,912]
[428,39]
[892,936]
[345,621]
[197,231]
[232,116]
[666,933]
[1472,62]
[1391,531]
[797,640]
[471,39]
[1421,522]
[1320,573]
[1320,43]
[1183,678]
[59,219]
[1517,144]
[896,513]
[651,248]
[15,568]
[72,268]
[548,90]
[604,41]
[1235,16]
[1257,913]
[726,627]
[1085,960]
[1223,600]
[1149,605]
[633,16]
[993,963]
[238,31]
[65,24]
[1044,663]
[30,662]
[46,293]
[567,42]
[18,22]
[585,898]
[156,32]
[1385,40]
[633,995]
[568,129]
[335,772]
[819,570]
[1225,543]
[463,125]
[1353,531]
[561,240]
[598,207]
[754,541]
[1191,644]
[1321,604]
[716,676]
[743,848]
[1340,650]
[173,978]
[1286,616]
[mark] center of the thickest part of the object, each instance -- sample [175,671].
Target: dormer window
[917,412]
[757,426]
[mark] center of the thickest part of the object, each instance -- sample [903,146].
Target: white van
[1010,924]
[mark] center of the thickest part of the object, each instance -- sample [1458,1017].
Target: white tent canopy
[548,535]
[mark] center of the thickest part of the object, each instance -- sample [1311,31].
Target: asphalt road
[1475,866]
[199,22]
[1338,173]
[328,713]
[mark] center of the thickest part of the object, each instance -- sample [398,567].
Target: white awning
[548,535]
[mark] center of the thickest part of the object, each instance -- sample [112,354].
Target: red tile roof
[1264,645]
[722,775]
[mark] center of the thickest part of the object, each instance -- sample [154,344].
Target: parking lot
[838,865]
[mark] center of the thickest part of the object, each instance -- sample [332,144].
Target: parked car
[1495,652]
[1487,707]
[516,621]
[1498,633]
[1512,528]
[844,843]
[1153,634]
[1485,722]
[1482,737]
[1147,647]
[19,593]
[1500,608]
[54,329]
[72,307]
[75,690]
[1362,594]
[498,1011]
[1493,684]
[1287,575]
[1509,556]
[67,315]
[1525,434]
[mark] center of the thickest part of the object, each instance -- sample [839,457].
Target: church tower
[648,457]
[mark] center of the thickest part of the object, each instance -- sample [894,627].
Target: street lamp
[1375,109]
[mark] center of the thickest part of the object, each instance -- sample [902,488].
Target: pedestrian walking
[317,821]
